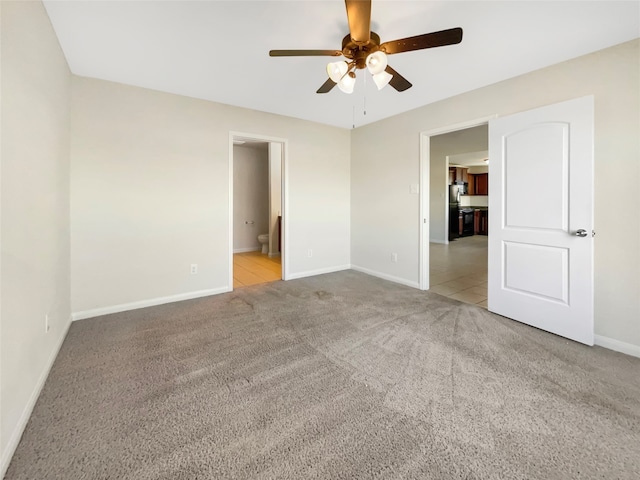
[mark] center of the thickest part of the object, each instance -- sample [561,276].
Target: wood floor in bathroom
[252,268]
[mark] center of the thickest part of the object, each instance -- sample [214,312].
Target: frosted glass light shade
[377,62]
[381,79]
[347,83]
[336,70]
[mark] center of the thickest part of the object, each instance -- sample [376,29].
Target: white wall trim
[459,126]
[447,225]
[384,276]
[424,189]
[321,271]
[14,440]
[123,307]
[617,345]
[248,249]
[284,220]
[443,242]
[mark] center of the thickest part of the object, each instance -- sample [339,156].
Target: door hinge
[593,233]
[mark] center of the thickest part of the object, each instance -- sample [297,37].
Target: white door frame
[285,199]
[425,166]
[446,204]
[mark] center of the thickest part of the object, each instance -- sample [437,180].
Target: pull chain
[364,102]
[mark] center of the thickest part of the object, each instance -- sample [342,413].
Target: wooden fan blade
[326,86]
[359,16]
[419,42]
[398,81]
[305,53]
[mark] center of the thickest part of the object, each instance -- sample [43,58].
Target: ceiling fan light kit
[382,79]
[363,49]
[376,62]
[337,70]
[347,83]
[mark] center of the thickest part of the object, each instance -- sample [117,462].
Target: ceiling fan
[362,48]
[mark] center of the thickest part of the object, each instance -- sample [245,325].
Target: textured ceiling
[219,50]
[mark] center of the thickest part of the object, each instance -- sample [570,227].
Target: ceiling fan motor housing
[359,52]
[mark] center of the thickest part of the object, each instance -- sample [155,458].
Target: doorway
[257,209]
[540,253]
[453,251]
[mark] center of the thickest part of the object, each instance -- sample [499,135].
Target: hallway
[459,270]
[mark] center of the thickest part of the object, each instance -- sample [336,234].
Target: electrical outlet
[394,257]
[309,253]
[194,268]
[47,325]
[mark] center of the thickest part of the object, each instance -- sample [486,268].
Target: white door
[541,218]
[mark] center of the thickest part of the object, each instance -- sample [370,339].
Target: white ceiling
[218,50]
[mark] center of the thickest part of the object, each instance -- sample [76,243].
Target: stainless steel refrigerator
[454,207]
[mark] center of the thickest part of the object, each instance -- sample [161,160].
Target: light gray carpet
[336,376]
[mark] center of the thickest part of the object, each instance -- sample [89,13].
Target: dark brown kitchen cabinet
[481,222]
[471,190]
[481,184]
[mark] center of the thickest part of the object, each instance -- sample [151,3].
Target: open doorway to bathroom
[455,252]
[257,210]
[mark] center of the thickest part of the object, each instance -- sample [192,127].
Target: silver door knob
[581,233]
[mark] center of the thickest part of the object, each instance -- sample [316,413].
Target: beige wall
[478,169]
[474,200]
[150,194]
[385,160]
[34,214]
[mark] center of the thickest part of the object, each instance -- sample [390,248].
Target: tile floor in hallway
[459,270]
[252,268]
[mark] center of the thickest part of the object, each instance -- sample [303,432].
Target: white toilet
[264,240]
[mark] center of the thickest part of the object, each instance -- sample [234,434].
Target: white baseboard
[617,345]
[123,307]
[384,276]
[433,240]
[277,254]
[248,249]
[311,273]
[16,435]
